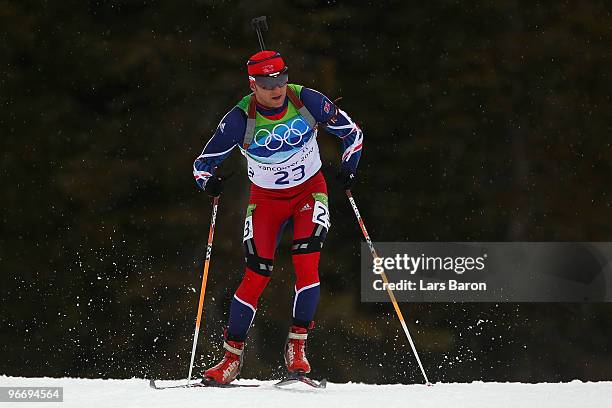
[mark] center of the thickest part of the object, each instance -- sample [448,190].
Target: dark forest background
[483,121]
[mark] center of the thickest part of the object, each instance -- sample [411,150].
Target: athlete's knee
[251,287]
[306,269]
[256,263]
[311,244]
[307,288]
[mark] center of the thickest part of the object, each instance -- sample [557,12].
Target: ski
[298,377]
[211,383]
[203,383]
[161,387]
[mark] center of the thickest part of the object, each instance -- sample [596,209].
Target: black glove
[346,177]
[214,186]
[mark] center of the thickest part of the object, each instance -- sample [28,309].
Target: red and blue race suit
[287,186]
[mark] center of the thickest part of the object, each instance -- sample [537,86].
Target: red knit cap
[265,63]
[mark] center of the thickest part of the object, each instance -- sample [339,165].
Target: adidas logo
[306,207]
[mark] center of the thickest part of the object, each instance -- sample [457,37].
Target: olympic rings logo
[292,134]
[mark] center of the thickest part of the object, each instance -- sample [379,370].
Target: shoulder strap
[297,102]
[251,122]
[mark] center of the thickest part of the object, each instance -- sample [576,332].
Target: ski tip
[429,384]
[152,384]
[323,383]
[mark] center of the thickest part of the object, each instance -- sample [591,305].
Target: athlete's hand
[346,177]
[214,186]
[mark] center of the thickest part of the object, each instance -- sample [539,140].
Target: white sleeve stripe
[358,139]
[354,147]
[210,140]
[216,154]
[346,116]
[351,125]
[347,156]
[341,127]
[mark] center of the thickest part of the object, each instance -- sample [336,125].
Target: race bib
[320,213]
[291,172]
[248,223]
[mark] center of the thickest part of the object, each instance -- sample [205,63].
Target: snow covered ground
[136,393]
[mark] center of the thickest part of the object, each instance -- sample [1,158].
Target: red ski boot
[295,351]
[228,369]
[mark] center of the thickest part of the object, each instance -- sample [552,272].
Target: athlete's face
[270,98]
